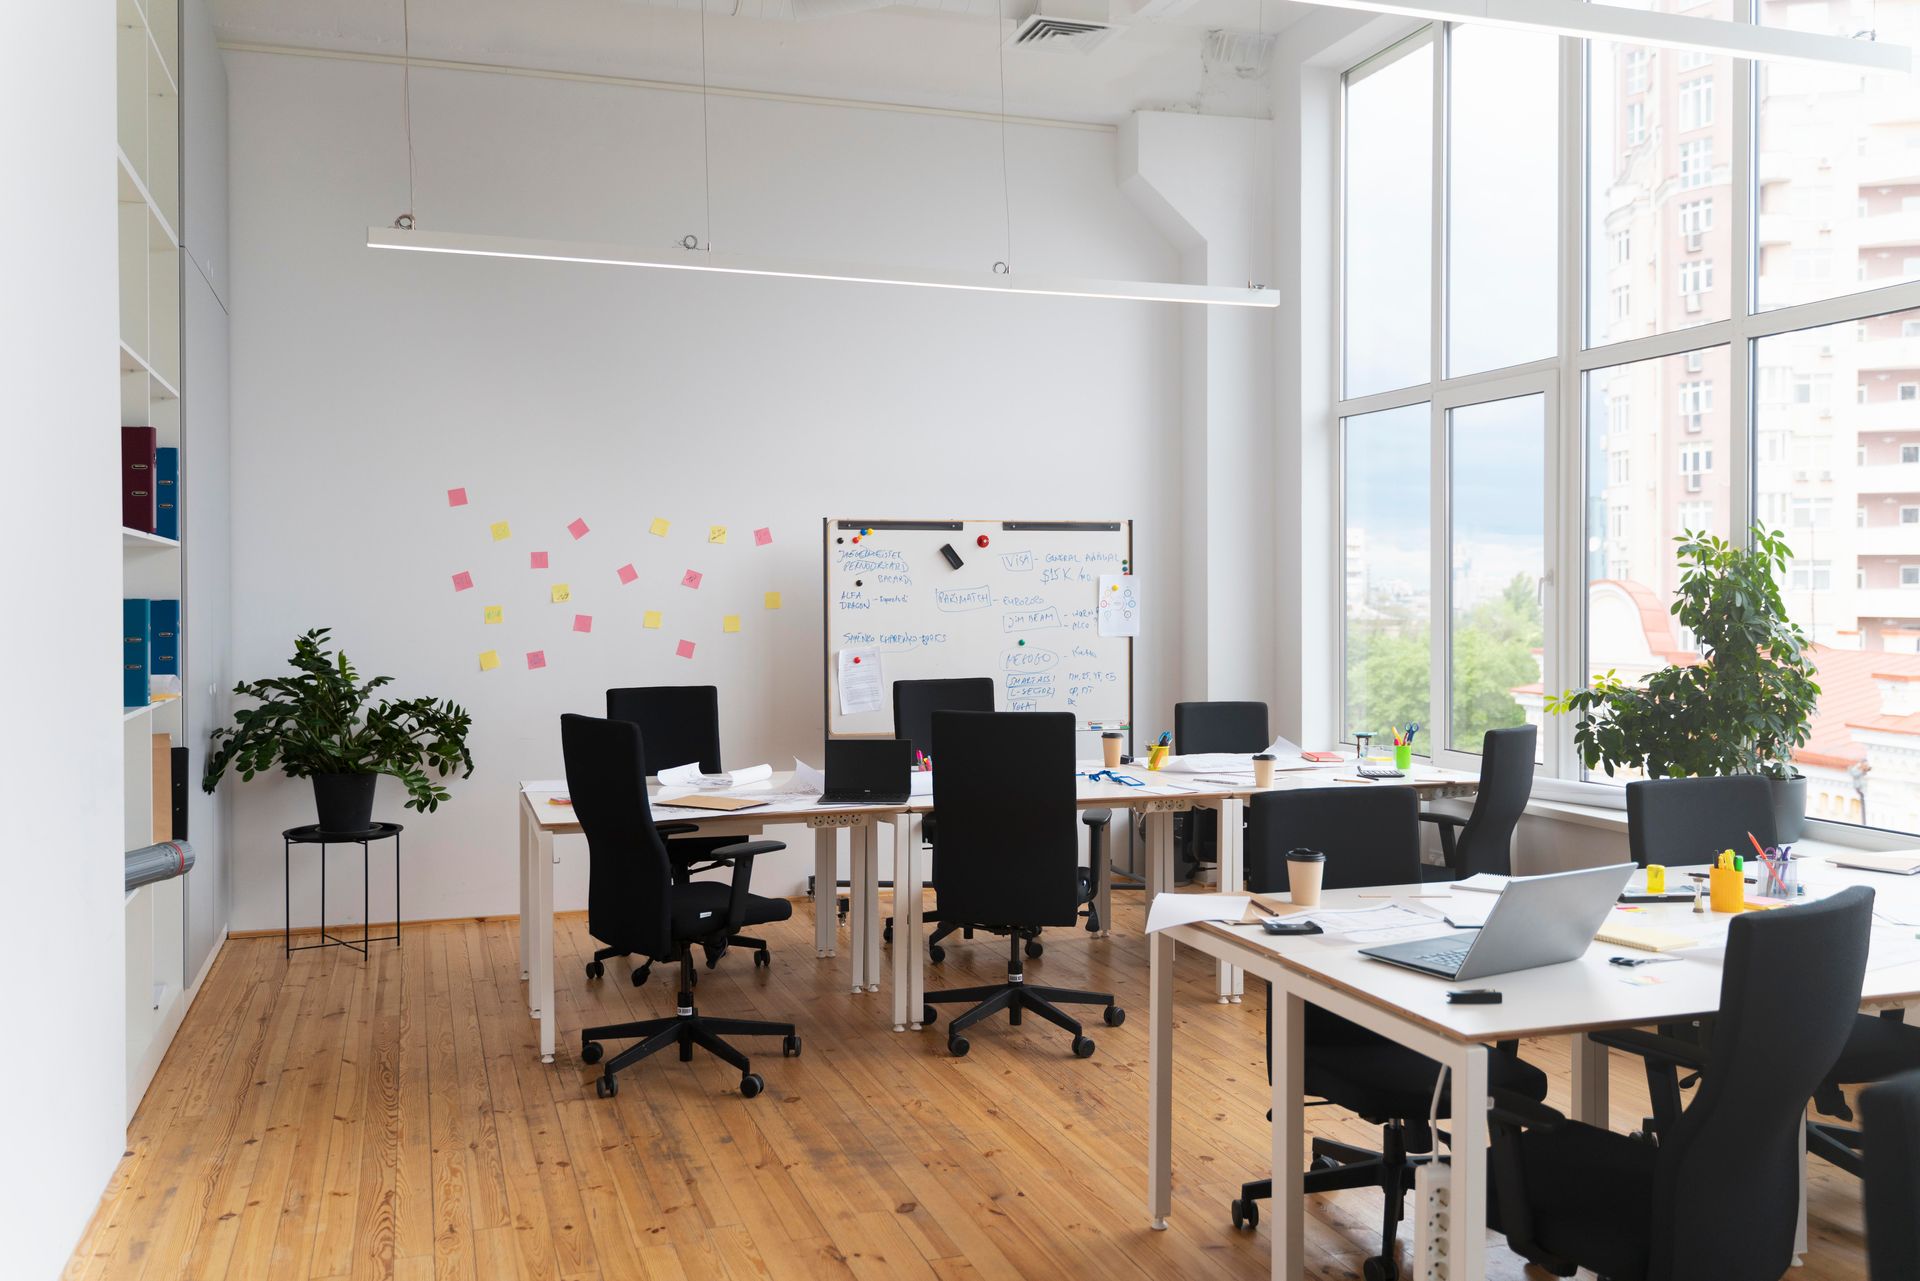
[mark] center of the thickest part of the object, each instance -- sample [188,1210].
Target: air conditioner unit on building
[1694,480]
[1693,302]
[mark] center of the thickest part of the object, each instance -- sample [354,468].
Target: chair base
[1837,1145]
[1017,997]
[688,1029]
[1338,1167]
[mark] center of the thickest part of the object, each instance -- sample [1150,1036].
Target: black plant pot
[1789,808]
[344,802]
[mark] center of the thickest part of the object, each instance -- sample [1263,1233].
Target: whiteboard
[1021,610]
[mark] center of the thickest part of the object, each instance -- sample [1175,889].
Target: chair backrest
[915,702]
[1890,1118]
[1370,835]
[629,880]
[1689,820]
[1727,1182]
[1009,845]
[678,723]
[1485,843]
[1220,727]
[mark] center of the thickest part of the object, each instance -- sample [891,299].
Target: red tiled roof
[1850,699]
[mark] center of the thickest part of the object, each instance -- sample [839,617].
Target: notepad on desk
[1898,862]
[703,801]
[1479,883]
[1645,938]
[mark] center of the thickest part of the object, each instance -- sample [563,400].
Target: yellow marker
[652,619]
[731,623]
[489,659]
[659,527]
[717,533]
[560,595]
[494,613]
[773,600]
[499,530]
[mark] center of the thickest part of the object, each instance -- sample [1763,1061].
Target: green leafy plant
[323,720]
[1742,708]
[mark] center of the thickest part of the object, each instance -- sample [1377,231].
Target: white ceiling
[947,58]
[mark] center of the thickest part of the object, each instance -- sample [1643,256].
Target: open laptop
[867,771]
[1537,920]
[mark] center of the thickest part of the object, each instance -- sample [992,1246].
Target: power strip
[1432,1190]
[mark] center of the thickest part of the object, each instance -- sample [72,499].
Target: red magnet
[982,540]
[856,660]
[856,538]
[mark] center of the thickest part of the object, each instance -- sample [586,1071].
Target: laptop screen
[869,766]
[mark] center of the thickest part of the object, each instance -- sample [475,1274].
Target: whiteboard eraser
[953,557]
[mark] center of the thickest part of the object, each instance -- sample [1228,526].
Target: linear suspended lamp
[481,246]
[1641,26]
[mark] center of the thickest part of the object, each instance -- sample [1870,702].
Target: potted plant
[322,723]
[1741,709]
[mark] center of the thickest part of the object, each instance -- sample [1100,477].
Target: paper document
[1354,922]
[1119,608]
[1481,883]
[544,785]
[807,777]
[1185,909]
[690,776]
[1208,763]
[1284,748]
[1470,911]
[861,688]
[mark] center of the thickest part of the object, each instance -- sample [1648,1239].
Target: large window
[1388,569]
[1389,202]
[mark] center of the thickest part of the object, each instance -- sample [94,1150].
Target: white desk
[1581,996]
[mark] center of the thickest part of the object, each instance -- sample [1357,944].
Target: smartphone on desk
[1285,927]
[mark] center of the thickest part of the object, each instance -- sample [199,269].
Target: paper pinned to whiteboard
[861,689]
[1119,608]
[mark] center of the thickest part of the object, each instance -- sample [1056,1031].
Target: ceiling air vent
[1041,30]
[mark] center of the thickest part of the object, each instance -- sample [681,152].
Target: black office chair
[1483,840]
[1213,727]
[1719,1196]
[680,724]
[1690,820]
[636,904]
[1371,836]
[1891,1112]
[1004,789]
[914,704]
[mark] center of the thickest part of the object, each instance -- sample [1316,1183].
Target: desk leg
[872,831]
[1160,952]
[1590,1068]
[1467,1185]
[543,941]
[1289,1014]
[1159,877]
[906,924]
[1800,1224]
[1232,847]
[1103,880]
[857,905]
[526,896]
[826,907]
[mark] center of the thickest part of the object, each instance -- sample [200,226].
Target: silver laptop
[1537,920]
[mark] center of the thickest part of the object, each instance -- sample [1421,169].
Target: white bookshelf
[148,165]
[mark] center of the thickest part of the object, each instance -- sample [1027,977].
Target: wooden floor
[331,1116]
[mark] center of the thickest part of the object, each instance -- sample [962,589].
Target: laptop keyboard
[1451,959]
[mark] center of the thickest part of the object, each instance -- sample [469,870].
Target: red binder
[136,477]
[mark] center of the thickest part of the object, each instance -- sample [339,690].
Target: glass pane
[1498,556]
[1837,449]
[1388,569]
[1388,241]
[1838,169]
[1503,210]
[1658,463]
[1659,173]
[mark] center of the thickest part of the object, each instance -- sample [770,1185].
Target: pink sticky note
[536,658]
[583,622]
[462,581]
[578,528]
[690,579]
[761,537]
[685,650]
[456,498]
[537,560]
[628,573]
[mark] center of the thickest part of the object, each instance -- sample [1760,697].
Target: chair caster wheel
[1114,1016]
[751,1084]
[1082,1047]
[1246,1214]
[713,959]
[927,1015]
[1380,1270]
[1323,1163]
[591,1052]
[761,960]
[790,1047]
[641,975]
[606,1087]
[936,953]
[887,934]
[595,969]
[1035,949]
[958,1046]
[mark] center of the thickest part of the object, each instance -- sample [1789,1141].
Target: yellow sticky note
[489,659]
[652,619]
[773,600]
[659,527]
[560,595]
[500,530]
[716,533]
[731,623]
[494,613]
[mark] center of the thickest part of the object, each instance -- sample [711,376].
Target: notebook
[1899,862]
[1645,938]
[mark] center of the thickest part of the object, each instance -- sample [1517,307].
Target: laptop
[867,771]
[1535,921]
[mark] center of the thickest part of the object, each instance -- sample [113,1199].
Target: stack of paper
[690,776]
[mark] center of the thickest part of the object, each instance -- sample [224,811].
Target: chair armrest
[741,854]
[745,850]
[1655,1048]
[1096,818]
[1516,1111]
[675,829]
[1445,820]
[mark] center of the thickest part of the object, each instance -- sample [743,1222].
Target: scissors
[1125,780]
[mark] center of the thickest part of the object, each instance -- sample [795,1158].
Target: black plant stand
[312,835]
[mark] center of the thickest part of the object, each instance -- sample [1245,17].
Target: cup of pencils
[1403,747]
[1157,754]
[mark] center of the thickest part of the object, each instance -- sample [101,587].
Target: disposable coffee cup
[1263,770]
[1304,868]
[1110,745]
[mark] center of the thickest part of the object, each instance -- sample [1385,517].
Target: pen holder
[1403,756]
[1726,890]
[1157,756]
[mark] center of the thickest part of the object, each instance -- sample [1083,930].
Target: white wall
[366,384]
[60,759]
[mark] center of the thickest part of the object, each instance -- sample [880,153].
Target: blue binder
[163,659]
[166,492]
[136,634]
